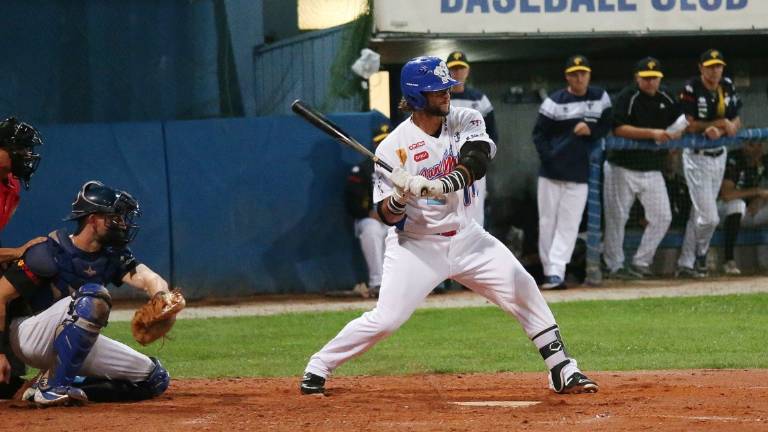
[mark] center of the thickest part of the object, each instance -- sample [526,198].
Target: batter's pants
[414,264]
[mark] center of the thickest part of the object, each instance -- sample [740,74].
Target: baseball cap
[649,67]
[577,63]
[712,57]
[380,133]
[457,58]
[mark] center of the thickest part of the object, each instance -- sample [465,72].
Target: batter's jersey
[9,199]
[475,99]
[702,104]
[422,154]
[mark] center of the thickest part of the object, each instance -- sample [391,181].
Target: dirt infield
[705,400]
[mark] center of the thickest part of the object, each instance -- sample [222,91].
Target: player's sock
[732,224]
[551,346]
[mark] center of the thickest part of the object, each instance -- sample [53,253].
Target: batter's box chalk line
[504,404]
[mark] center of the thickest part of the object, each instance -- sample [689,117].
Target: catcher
[54,302]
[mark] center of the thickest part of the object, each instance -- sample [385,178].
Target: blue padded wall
[257,205]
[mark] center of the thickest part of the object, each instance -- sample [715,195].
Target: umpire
[642,111]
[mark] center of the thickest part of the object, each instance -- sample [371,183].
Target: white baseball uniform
[437,240]
[704,174]
[372,234]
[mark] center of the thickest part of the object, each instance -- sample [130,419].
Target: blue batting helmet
[424,74]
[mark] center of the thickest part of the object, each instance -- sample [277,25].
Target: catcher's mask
[120,208]
[19,139]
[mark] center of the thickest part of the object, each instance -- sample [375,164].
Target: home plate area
[683,400]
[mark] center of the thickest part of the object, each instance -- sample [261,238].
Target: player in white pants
[642,111]
[703,174]
[372,234]
[437,152]
[711,105]
[570,123]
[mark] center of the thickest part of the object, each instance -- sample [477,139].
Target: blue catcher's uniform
[66,268]
[63,286]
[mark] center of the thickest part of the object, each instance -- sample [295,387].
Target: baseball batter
[439,151]
[711,105]
[54,303]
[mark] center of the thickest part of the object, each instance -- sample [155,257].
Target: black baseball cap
[712,57]
[457,58]
[649,67]
[577,63]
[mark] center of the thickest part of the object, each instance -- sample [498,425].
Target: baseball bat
[321,122]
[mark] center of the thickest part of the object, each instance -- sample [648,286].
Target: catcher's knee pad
[90,311]
[91,305]
[157,381]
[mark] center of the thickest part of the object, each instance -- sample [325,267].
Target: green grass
[667,333]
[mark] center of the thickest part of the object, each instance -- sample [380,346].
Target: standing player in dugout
[438,152]
[711,105]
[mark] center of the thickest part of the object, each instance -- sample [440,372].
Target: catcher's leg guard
[106,390]
[90,311]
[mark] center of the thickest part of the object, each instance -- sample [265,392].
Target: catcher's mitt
[156,317]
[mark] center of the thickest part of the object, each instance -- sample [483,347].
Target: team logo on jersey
[446,165]
[90,272]
[476,122]
[414,146]
[402,155]
[420,156]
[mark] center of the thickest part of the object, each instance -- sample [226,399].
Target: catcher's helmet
[19,139]
[95,197]
[424,74]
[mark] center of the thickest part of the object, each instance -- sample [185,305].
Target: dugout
[517,51]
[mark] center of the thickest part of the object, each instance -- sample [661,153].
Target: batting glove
[422,187]
[400,178]
[400,195]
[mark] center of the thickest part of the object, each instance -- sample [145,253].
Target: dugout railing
[673,238]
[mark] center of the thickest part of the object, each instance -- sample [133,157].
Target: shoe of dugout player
[700,265]
[566,378]
[312,384]
[552,283]
[643,270]
[624,273]
[731,269]
[687,272]
[62,395]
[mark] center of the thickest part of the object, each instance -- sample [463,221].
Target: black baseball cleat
[579,383]
[566,378]
[312,384]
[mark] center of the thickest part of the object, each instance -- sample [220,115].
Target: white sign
[568,16]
